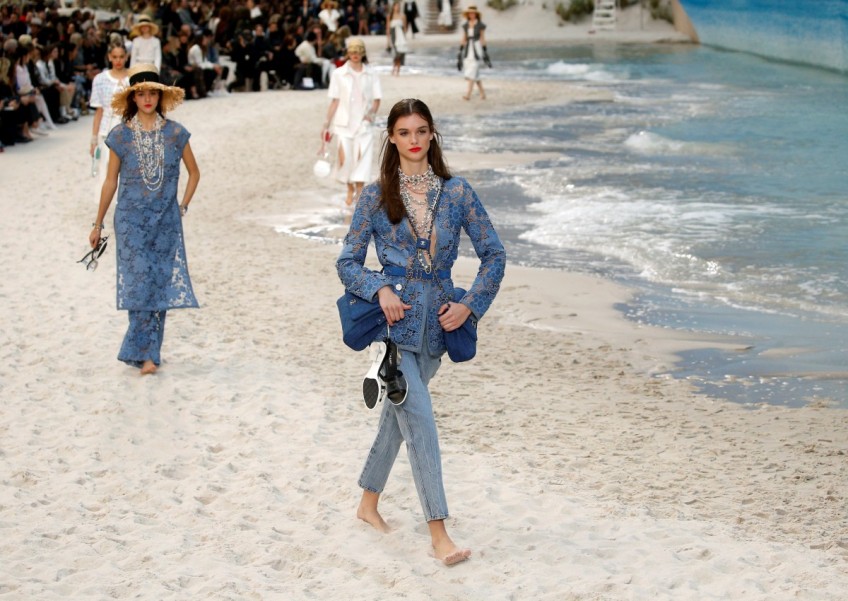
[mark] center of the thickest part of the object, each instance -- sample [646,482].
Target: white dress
[103,87]
[445,19]
[356,92]
[398,37]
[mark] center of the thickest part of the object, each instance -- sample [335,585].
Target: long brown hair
[390,163]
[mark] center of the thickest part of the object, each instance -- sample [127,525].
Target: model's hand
[453,315]
[393,308]
[94,237]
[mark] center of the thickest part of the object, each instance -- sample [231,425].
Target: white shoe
[39,131]
[373,386]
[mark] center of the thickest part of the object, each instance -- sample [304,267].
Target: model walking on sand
[146,150]
[396,36]
[472,51]
[103,88]
[355,95]
[415,213]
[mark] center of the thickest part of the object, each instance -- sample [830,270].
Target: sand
[574,468]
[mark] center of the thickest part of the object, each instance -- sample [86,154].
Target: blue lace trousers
[143,339]
[413,423]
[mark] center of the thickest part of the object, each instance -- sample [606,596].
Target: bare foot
[373,517]
[449,554]
[149,367]
[466,97]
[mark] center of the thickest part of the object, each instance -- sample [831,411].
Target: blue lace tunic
[151,256]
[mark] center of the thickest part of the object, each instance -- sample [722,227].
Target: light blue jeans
[413,423]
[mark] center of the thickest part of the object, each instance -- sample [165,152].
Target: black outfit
[410,9]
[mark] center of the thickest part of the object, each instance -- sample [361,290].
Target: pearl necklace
[150,150]
[421,184]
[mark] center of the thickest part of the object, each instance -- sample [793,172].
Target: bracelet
[94,139]
[100,227]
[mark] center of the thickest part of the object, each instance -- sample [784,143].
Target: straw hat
[146,77]
[144,21]
[471,9]
[355,43]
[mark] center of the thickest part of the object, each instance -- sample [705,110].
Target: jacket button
[398,287]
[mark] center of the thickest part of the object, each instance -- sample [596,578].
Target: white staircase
[604,16]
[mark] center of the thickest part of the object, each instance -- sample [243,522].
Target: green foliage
[501,5]
[576,10]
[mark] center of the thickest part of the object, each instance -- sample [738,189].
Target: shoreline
[232,472]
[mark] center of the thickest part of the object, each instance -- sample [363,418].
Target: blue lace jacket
[459,209]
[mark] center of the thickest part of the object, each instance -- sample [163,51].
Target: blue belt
[416,274]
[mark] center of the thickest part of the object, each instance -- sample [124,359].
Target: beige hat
[355,43]
[471,9]
[144,21]
[146,77]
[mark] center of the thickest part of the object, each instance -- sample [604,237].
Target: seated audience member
[57,94]
[242,54]
[203,57]
[308,67]
[12,113]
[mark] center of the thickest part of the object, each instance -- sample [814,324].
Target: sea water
[713,183]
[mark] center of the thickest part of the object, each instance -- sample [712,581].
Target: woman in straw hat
[355,95]
[415,214]
[472,50]
[146,150]
[146,47]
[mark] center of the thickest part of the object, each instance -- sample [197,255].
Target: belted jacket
[458,209]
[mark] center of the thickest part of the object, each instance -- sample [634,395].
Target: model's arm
[107,192]
[193,175]
[331,112]
[95,130]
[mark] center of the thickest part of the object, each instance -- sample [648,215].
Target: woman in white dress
[103,87]
[395,27]
[355,95]
[445,18]
[473,50]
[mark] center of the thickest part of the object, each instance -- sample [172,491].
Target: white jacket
[341,87]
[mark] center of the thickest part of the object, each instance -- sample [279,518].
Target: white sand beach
[574,469]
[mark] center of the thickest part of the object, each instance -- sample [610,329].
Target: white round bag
[322,167]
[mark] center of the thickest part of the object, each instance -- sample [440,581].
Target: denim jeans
[413,423]
[143,339]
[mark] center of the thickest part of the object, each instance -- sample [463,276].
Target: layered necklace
[421,184]
[150,150]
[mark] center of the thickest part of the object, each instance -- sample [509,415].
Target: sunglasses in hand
[90,258]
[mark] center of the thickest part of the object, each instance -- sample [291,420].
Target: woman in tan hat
[330,15]
[146,46]
[146,151]
[355,95]
[472,50]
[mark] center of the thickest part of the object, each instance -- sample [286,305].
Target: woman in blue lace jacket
[146,150]
[417,247]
